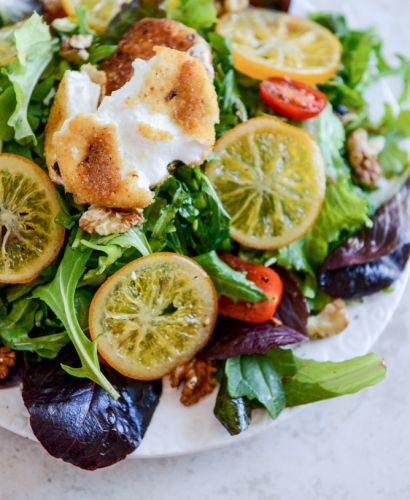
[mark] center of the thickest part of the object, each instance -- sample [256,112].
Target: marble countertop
[355,447]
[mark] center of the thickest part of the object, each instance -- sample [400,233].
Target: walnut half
[7,361]
[332,320]
[364,162]
[106,221]
[198,377]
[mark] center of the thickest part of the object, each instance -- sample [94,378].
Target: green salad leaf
[227,281]
[16,326]
[316,381]
[59,295]
[187,217]
[198,14]
[345,206]
[231,108]
[393,128]
[34,53]
[343,212]
[279,379]
[233,413]
[255,378]
[362,63]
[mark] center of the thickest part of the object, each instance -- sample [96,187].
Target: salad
[189,189]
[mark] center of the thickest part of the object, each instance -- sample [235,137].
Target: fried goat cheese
[111,154]
[139,42]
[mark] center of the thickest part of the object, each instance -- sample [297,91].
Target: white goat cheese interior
[149,155]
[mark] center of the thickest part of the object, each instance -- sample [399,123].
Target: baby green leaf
[59,296]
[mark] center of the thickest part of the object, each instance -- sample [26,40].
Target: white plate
[177,430]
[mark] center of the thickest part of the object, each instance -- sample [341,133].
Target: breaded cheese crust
[114,152]
[139,43]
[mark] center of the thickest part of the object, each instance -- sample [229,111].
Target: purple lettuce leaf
[236,338]
[78,421]
[293,309]
[15,377]
[364,279]
[389,232]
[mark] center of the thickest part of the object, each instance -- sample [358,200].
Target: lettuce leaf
[34,53]
[345,207]
[279,379]
[199,14]
[343,212]
[316,381]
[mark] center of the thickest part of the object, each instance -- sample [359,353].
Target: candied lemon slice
[30,238]
[270,177]
[269,43]
[99,13]
[153,315]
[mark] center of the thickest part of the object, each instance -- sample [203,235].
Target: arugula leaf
[333,22]
[394,127]
[16,326]
[231,107]
[316,381]
[227,281]
[187,217]
[34,52]
[198,14]
[59,296]
[362,64]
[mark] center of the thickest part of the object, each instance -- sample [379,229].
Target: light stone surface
[356,447]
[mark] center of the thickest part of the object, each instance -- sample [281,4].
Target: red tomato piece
[266,279]
[291,99]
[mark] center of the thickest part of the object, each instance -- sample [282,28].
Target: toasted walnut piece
[7,361]
[74,49]
[332,320]
[198,378]
[365,164]
[106,221]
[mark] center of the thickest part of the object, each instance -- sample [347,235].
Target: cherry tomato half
[266,279]
[291,99]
